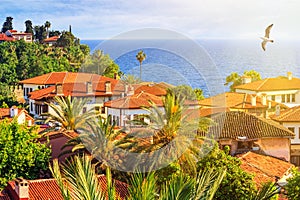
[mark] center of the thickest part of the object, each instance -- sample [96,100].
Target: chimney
[59,89]
[89,87]
[246,79]
[108,87]
[21,188]
[14,111]
[253,100]
[130,90]
[264,99]
[289,75]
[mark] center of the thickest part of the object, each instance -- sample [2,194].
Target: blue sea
[201,64]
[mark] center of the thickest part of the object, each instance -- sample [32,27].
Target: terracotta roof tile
[64,77]
[236,100]
[45,189]
[134,101]
[235,123]
[4,112]
[152,88]
[265,168]
[272,84]
[288,115]
[51,39]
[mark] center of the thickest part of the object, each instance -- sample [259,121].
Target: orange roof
[65,77]
[45,189]
[265,168]
[4,37]
[51,39]
[289,115]
[4,112]
[152,88]
[134,101]
[271,84]
[230,125]
[57,134]
[236,100]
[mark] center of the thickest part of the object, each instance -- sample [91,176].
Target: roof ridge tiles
[263,82]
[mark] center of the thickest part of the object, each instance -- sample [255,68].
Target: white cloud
[195,18]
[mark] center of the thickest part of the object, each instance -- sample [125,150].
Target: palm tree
[77,179]
[67,111]
[141,56]
[47,26]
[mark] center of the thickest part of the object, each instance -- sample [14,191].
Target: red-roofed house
[284,90]
[27,37]
[43,88]
[265,168]
[290,118]
[20,115]
[45,189]
[234,101]
[51,41]
[244,132]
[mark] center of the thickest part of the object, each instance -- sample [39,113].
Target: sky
[210,19]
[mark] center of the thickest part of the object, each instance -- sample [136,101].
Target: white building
[281,89]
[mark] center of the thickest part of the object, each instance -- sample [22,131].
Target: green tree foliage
[102,64]
[237,184]
[141,56]
[40,33]
[28,26]
[235,79]
[67,39]
[188,92]
[20,153]
[7,25]
[54,33]
[292,187]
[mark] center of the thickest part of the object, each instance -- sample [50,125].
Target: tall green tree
[188,92]
[100,63]
[21,155]
[67,39]
[40,33]
[7,25]
[141,56]
[47,26]
[28,27]
[235,79]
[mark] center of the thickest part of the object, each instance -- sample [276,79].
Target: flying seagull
[266,38]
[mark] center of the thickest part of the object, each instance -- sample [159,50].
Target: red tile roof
[230,125]
[45,189]
[56,134]
[65,77]
[236,100]
[135,101]
[51,39]
[152,88]
[265,168]
[288,115]
[4,37]
[272,84]
[4,112]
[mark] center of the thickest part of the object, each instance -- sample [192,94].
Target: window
[273,97]
[288,99]
[295,160]
[283,98]
[84,110]
[292,129]
[31,106]
[293,98]
[299,132]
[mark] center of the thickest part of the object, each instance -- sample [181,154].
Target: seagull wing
[268,29]
[263,45]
